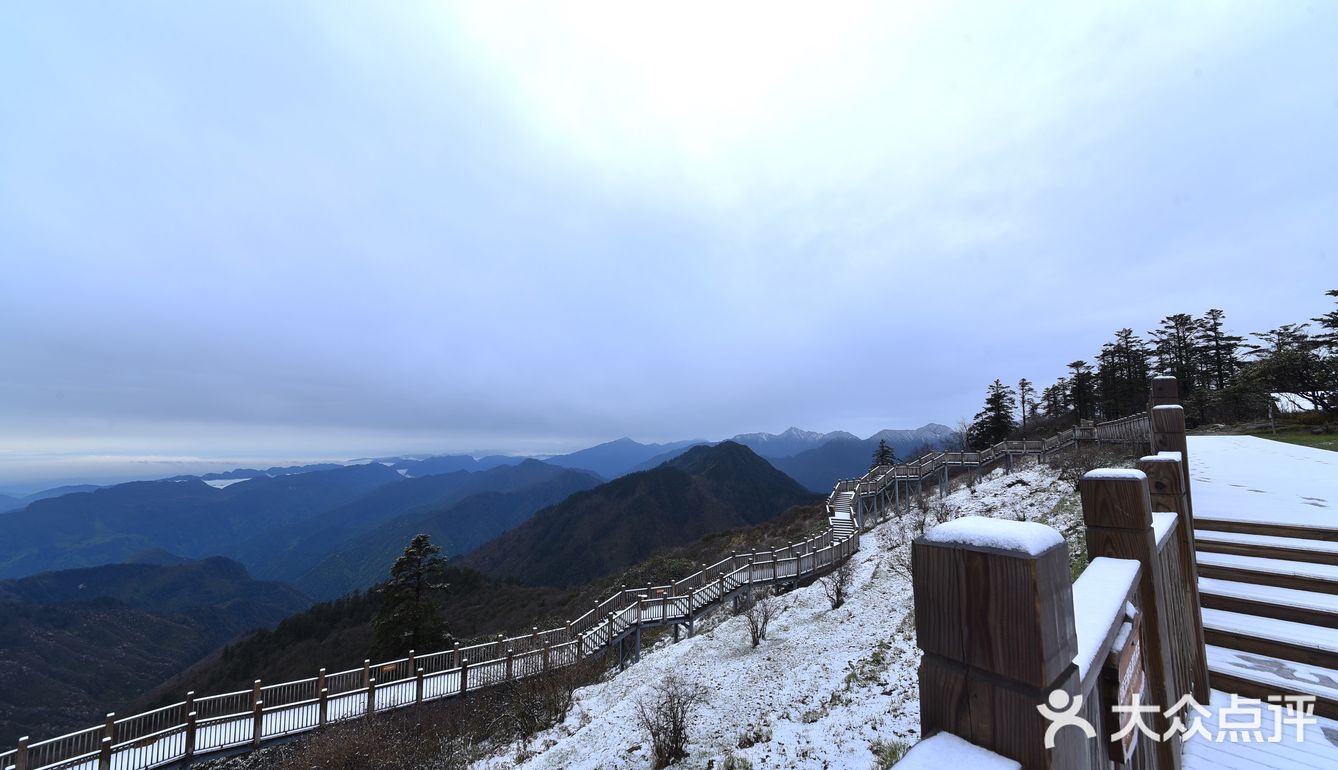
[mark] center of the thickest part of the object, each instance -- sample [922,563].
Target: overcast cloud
[238,231]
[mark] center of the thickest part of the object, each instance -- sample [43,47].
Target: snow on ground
[823,686]
[1254,479]
[221,483]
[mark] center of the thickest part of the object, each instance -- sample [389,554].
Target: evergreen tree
[1218,348]
[409,618]
[1290,361]
[1329,323]
[993,423]
[1082,389]
[883,455]
[1176,350]
[1026,394]
[1056,398]
[1122,375]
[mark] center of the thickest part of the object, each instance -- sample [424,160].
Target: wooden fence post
[1117,508]
[464,676]
[323,708]
[1167,428]
[418,687]
[21,754]
[108,738]
[257,715]
[1163,390]
[258,723]
[510,657]
[191,729]
[997,630]
[455,654]
[371,696]
[366,671]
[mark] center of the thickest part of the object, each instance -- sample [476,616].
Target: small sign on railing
[1121,679]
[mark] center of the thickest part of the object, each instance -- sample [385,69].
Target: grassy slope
[1304,437]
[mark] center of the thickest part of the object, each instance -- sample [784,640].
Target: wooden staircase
[842,520]
[1270,608]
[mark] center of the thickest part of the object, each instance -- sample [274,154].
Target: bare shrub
[836,584]
[758,608]
[442,735]
[382,742]
[1082,458]
[665,715]
[895,537]
[523,707]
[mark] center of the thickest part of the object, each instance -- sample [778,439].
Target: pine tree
[1082,389]
[1056,398]
[1122,375]
[1219,349]
[993,423]
[409,618]
[1289,361]
[1176,351]
[1329,323]
[883,455]
[1026,394]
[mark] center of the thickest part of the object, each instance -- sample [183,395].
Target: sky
[245,231]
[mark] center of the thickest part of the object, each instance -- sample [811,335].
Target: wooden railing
[886,486]
[195,726]
[995,617]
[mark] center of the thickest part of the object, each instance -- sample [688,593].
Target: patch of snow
[1099,596]
[402,471]
[1022,536]
[1162,523]
[946,750]
[1291,403]
[1121,474]
[1246,478]
[221,483]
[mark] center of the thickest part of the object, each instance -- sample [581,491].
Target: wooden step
[1277,529]
[1312,645]
[1268,546]
[1258,676]
[1303,576]
[1309,607]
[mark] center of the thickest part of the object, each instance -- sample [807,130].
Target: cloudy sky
[242,231]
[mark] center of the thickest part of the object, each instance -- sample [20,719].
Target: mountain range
[706,489]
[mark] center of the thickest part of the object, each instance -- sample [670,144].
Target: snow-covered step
[1282,746]
[1269,546]
[1307,607]
[1259,676]
[1322,578]
[1314,645]
[1265,526]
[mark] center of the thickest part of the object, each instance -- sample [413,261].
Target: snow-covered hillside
[824,688]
